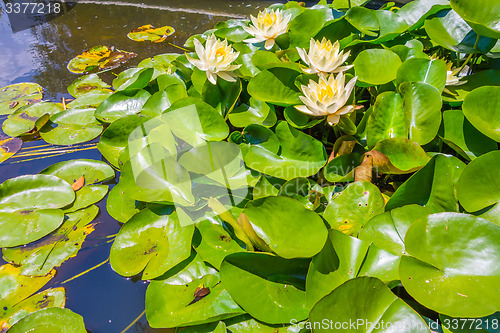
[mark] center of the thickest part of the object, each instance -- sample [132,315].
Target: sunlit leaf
[99,58]
[150,33]
[18,95]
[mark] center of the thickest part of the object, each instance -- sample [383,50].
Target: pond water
[107,301]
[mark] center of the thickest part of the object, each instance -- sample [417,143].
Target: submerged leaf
[9,147]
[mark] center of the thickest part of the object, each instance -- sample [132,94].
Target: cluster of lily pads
[295,172]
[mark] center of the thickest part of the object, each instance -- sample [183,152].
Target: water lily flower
[327,97]
[324,57]
[453,76]
[268,25]
[215,58]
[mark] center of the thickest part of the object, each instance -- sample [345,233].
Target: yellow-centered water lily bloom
[268,25]
[327,97]
[215,58]
[324,57]
[453,76]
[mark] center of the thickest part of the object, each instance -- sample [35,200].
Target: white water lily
[327,97]
[268,25]
[215,58]
[453,75]
[324,57]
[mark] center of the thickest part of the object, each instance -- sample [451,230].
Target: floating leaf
[148,32]
[343,258]
[428,71]
[481,15]
[17,302]
[133,78]
[455,257]
[398,156]
[161,62]
[99,58]
[370,299]
[71,171]
[86,84]
[341,168]
[376,66]
[90,100]
[72,126]
[169,301]
[38,259]
[465,139]
[9,147]
[50,320]
[122,103]
[25,120]
[120,206]
[478,79]
[478,185]
[275,85]
[432,186]
[29,207]
[415,12]
[150,242]
[481,109]
[301,155]
[353,207]
[279,222]
[18,95]
[115,138]
[216,243]
[256,113]
[266,286]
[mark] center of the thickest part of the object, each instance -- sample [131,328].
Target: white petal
[228,76]
[333,119]
[304,109]
[200,51]
[269,44]
[212,77]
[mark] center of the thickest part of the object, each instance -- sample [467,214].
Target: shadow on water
[39,52]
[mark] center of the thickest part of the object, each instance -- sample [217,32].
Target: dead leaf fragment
[78,184]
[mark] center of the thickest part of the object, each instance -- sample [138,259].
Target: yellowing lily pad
[17,95]
[15,292]
[99,57]
[148,32]
[88,83]
[8,147]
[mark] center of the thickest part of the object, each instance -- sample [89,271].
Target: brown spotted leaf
[148,32]
[99,57]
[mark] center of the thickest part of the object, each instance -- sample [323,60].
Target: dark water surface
[107,301]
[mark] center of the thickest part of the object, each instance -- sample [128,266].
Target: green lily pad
[268,287]
[86,196]
[38,259]
[150,33]
[432,186]
[415,12]
[478,185]
[353,207]
[173,301]
[480,108]
[388,230]
[222,96]
[370,300]
[151,243]
[343,258]
[267,186]
[398,156]
[276,86]
[114,139]
[91,99]
[453,257]
[70,171]
[279,221]
[481,15]
[72,126]
[422,104]
[428,71]
[363,19]
[9,147]
[50,320]
[99,57]
[121,103]
[301,155]
[376,66]
[465,139]
[29,207]
[387,120]
[161,62]
[24,120]
[216,243]
[449,30]
[256,113]
[133,78]
[86,84]
[18,95]
[120,206]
